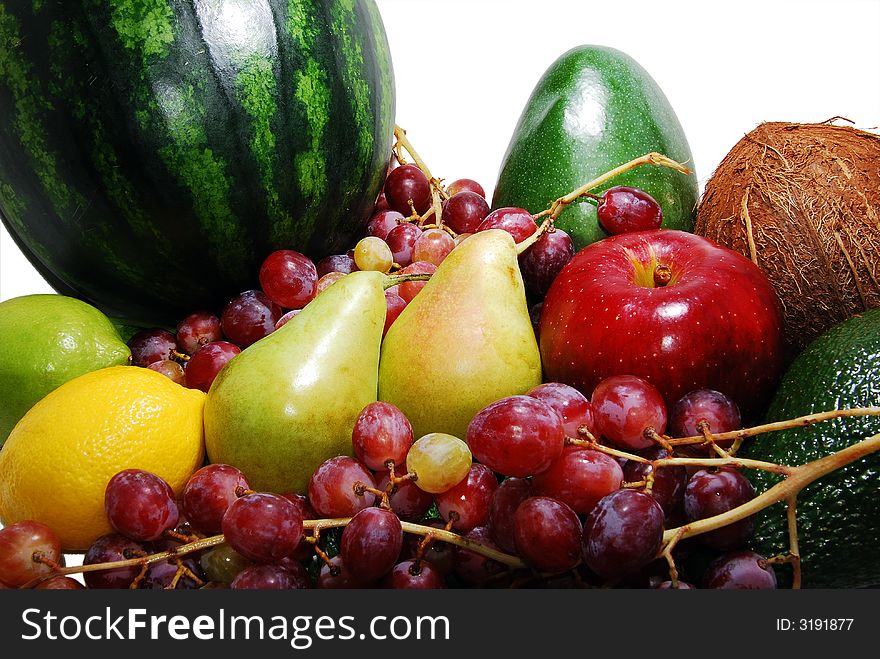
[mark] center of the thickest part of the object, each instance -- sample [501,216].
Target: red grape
[162,574]
[465,184]
[710,492]
[382,222]
[203,367]
[474,568]
[432,246]
[409,289]
[402,239]
[140,505]
[344,578]
[198,329]
[516,436]
[265,576]
[407,499]
[327,281]
[305,550]
[59,583]
[263,527]
[622,533]
[464,211]
[248,317]
[208,494]
[542,262]
[438,553]
[668,585]
[518,222]
[332,487]
[342,263]
[288,278]
[110,549]
[406,184]
[571,404]
[414,575]
[470,500]
[743,570]
[580,477]
[371,543]
[287,316]
[623,209]
[505,501]
[381,433]
[669,481]
[170,369]
[20,544]
[719,411]
[624,406]
[151,345]
[547,534]
[394,306]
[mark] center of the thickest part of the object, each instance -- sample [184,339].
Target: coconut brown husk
[802,201]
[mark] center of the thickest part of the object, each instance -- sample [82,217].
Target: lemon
[58,458]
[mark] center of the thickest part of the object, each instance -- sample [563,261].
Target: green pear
[464,341]
[48,340]
[289,401]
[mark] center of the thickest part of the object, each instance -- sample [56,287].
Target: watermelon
[154,152]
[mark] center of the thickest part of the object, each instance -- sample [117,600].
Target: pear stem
[394,280]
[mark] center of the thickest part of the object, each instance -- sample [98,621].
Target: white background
[464,69]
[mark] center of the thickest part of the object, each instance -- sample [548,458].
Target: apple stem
[662,275]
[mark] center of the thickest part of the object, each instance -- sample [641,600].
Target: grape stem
[438,192]
[798,422]
[796,480]
[652,158]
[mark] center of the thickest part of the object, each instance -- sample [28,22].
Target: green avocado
[595,108]
[838,515]
[47,340]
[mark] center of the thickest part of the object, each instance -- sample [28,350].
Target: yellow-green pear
[289,401]
[464,341]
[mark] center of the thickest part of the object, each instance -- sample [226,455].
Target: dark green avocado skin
[595,108]
[838,515]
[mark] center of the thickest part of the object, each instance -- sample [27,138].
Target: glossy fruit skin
[207,146]
[743,570]
[593,109]
[840,369]
[716,325]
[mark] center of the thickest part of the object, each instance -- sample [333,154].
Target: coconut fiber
[803,202]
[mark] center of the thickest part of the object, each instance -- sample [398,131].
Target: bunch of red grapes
[402,236]
[521,483]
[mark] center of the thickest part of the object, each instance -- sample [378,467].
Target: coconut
[802,201]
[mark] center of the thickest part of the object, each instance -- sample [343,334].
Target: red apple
[672,307]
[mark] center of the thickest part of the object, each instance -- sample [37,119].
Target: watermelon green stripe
[144,25]
[173,107]
[66,38]
[15,74]
[312,92]
[257,90]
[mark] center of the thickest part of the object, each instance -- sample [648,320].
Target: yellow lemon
[58,459]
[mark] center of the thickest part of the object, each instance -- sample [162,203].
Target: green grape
[372,253]
[440,461]
[222,563]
